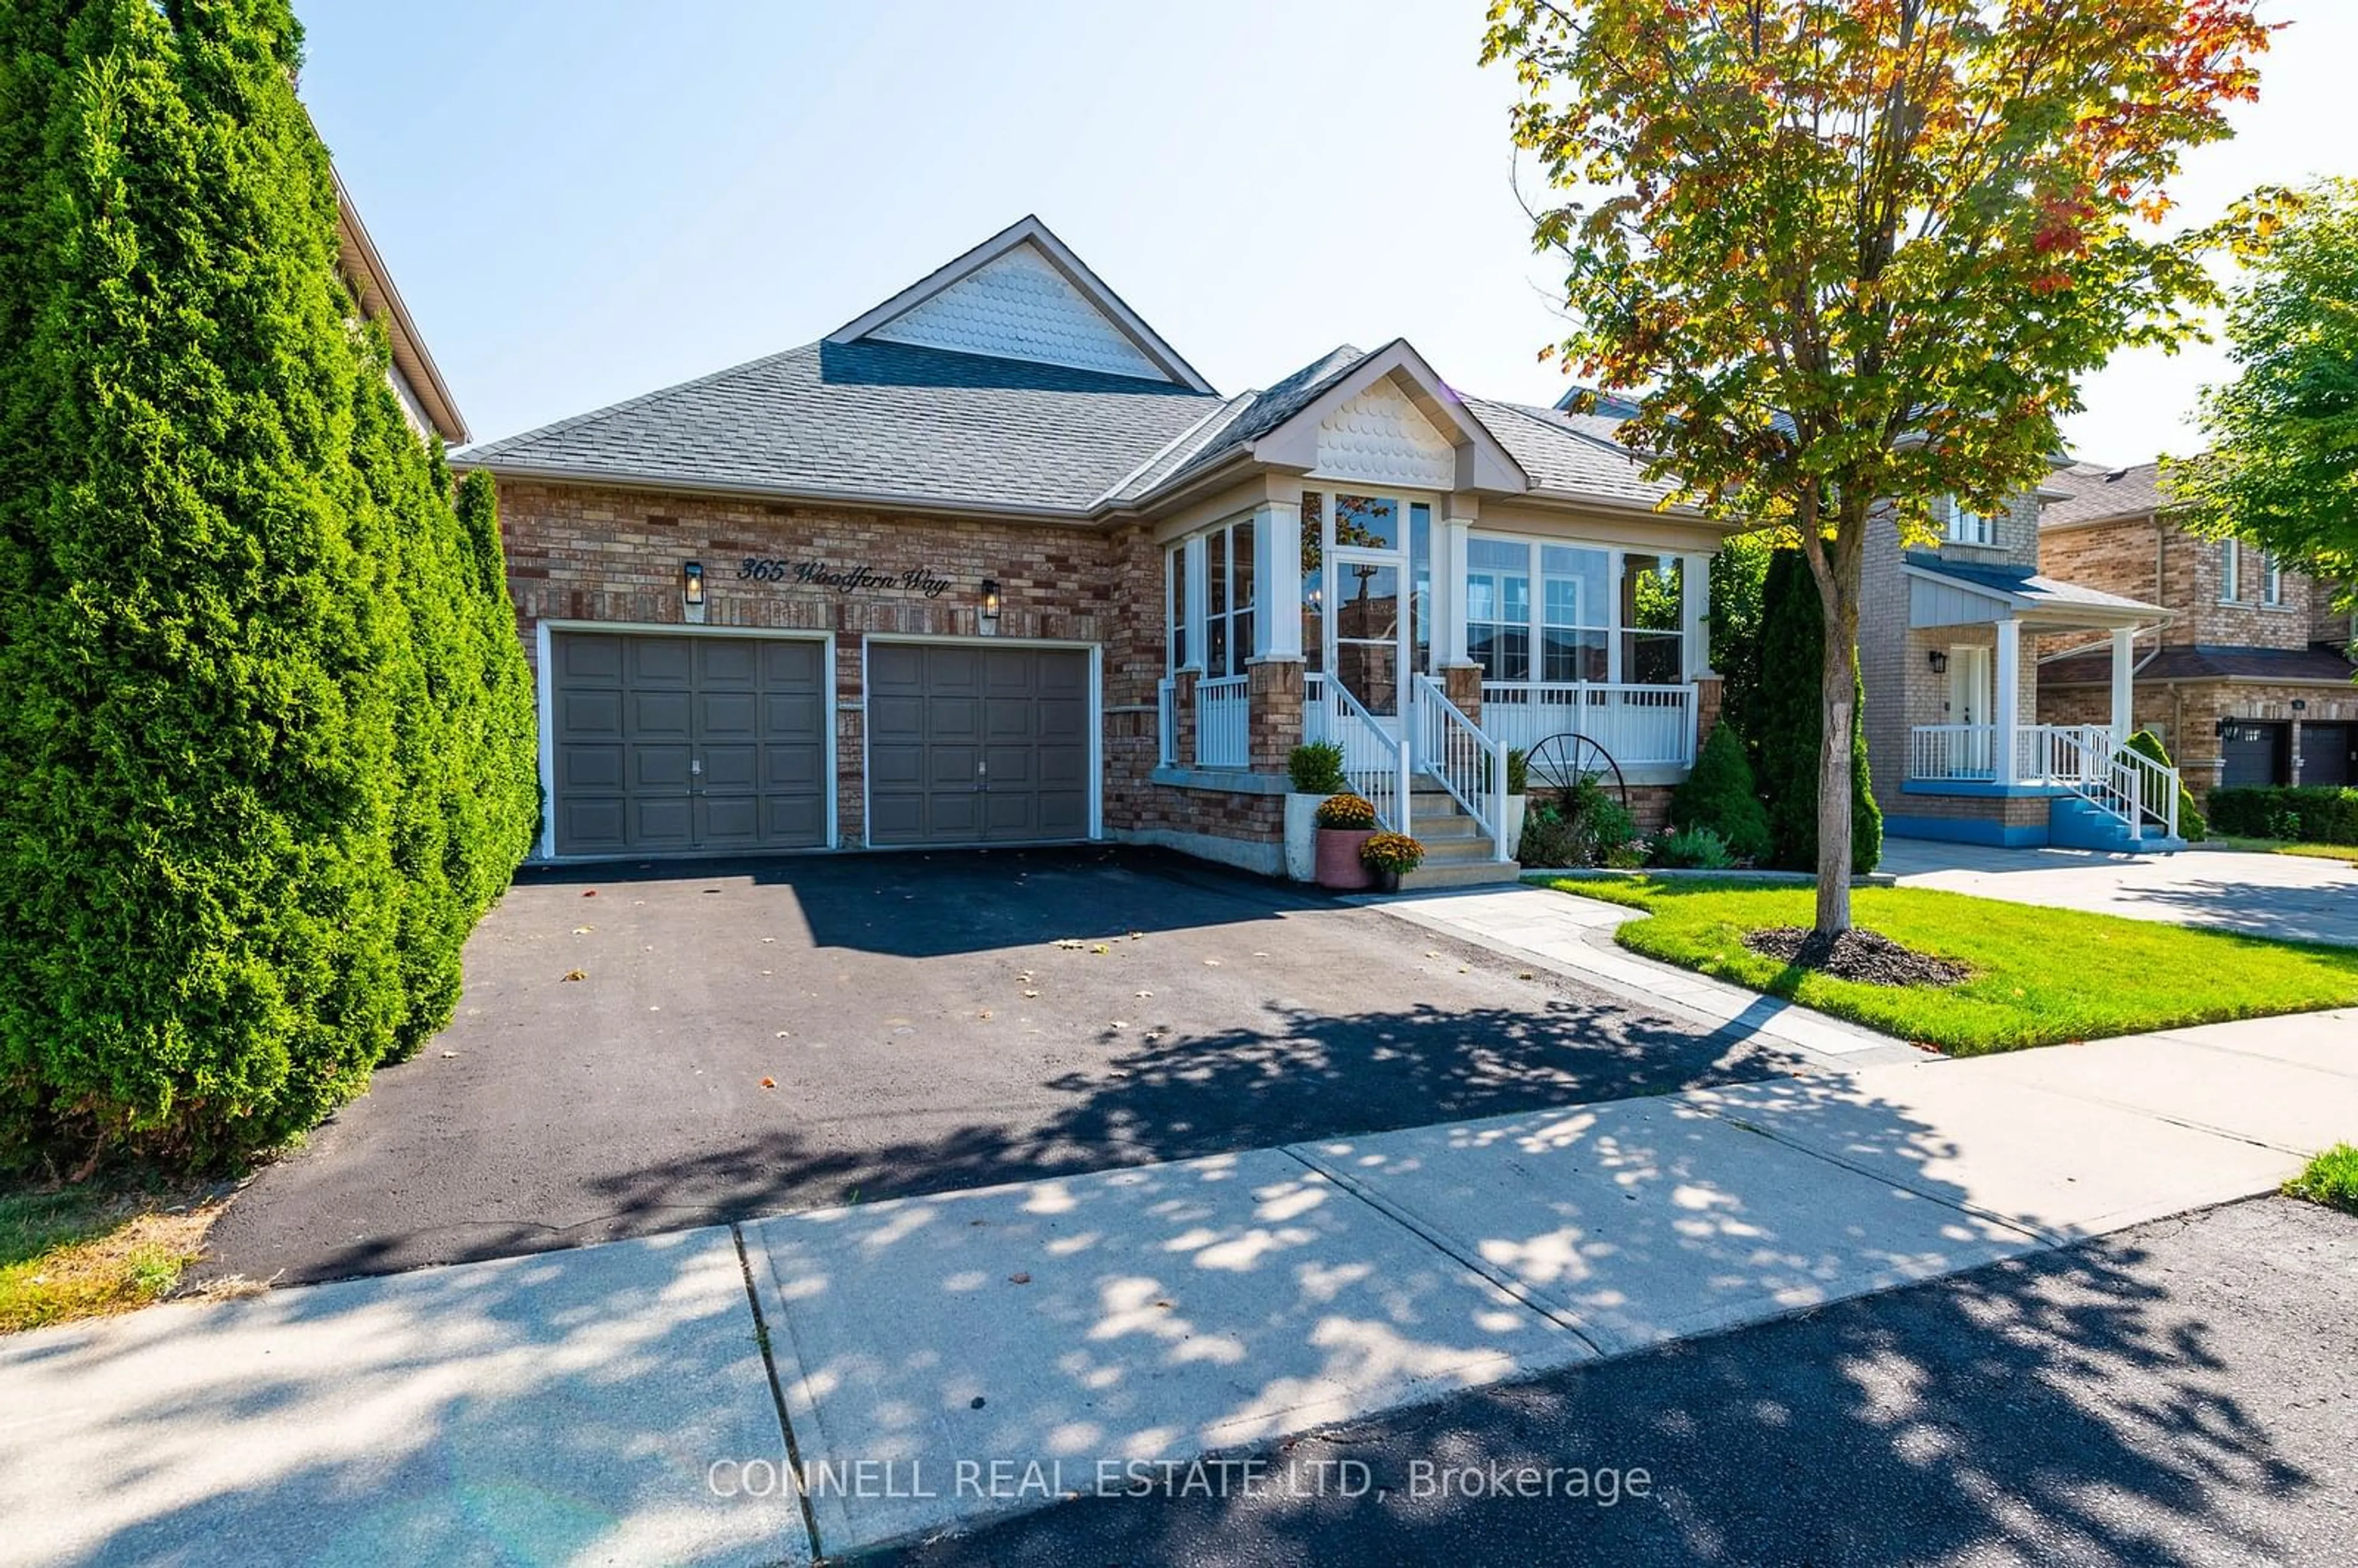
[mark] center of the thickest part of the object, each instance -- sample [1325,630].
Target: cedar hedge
[2315,813]
[1788,719]
[267,753]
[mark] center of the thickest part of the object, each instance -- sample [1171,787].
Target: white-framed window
[2271,579]
[2231,571]
[1174,607]
[1598,614]
[1960,525]
[1229,598]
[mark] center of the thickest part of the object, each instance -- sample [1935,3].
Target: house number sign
[843,579]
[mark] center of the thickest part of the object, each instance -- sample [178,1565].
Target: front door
[1367,636]
[1971,695]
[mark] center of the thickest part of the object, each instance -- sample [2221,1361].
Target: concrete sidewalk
[933,1360]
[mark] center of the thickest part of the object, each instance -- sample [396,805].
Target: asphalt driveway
[2288,897]
[642,1049]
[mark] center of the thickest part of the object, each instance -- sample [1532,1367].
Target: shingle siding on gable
[1020,307]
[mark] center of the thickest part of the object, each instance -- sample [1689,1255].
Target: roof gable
[1023,295]
[1317,432]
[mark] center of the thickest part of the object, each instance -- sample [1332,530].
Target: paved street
[2289,897]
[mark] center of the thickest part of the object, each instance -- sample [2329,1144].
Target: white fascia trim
[1293,442]
[1030,231]
[2106,615]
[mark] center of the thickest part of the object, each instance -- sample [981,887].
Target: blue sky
[585,201]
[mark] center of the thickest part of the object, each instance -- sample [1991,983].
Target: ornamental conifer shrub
[262,761]
[1791,720]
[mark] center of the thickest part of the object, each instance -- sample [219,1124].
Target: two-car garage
[720,742]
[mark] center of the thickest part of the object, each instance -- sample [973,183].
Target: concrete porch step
[1460,874]
[2076,824]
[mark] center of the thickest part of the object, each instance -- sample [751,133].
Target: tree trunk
[1837,696]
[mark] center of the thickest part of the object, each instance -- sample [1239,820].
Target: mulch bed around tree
[1855,954]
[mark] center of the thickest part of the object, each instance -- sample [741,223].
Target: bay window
[1498,607]
[1575,613]
[1598,615]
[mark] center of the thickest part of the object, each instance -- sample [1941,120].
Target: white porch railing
[1374,760]
[1636,725]
[1314,706]
[1471,766]
[1167,721]
[1223,724]
[2086,759]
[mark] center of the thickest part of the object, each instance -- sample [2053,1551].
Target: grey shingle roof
[2203,662]
[2100,494]
[1570,453]
[2027,586]
[1258,412]
[875,419]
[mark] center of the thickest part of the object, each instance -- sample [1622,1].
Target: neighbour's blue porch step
[2076,824]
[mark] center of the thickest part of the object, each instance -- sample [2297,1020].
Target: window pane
[1577,585]
[1650,593]
[1314,593]
[1215,648]
[1371,522]
[1243,568]
[1216,572]
[1420,609]
[1649,658]
[1241,647]
[1370,672]
[1514,653]
[1573,655]
[1177,559]
[1498,554]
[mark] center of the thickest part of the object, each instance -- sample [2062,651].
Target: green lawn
[2330,1179]
[2348,852]
[2040,976]
[95,1247]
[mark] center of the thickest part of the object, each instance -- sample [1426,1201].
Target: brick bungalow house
[992,564]
[2248,682]
[425,398]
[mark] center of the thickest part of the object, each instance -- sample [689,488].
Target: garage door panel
[1063,814]
[676,744]
[953,719]
[1006,718]
[2327,758]
[660,662]
[2253,753]
[589,769]
[952,767]
[1009,768]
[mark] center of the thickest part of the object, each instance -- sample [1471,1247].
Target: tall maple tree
[1848,256]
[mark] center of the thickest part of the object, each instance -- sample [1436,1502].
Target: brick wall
[605,553]
[2185,575]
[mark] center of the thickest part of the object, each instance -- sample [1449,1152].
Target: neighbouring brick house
[2248,682]
[992,564]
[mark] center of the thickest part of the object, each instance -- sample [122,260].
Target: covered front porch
[1978,766]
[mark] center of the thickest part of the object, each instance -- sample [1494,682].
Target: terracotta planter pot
[1339,858]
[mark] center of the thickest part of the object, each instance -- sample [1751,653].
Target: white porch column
[1199,590]
[2124,683]
[1449,592]
[1694,584]
[2006,708]
[1277,574]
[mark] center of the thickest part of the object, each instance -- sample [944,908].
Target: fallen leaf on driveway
[1143,995]
[583,930]
[769,939]
[1100,947]
[1071,944]
[1031,993]
[1211,963]
[769,1082]
[448,1054]
[1019,1278]
[589,892]
[784,1034]
[577,975]
[984,1013]
[1525,975]
[1120,1023]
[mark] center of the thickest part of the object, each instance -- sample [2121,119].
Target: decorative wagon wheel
[1554,769]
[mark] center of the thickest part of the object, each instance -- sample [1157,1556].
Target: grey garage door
[688,745]
[977,745]
[2253,753]
[2329,753]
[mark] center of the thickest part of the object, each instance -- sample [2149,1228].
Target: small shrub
[1586,828]
[2330,1179]
[1693,848]
[2314,814]
[1349,812]
[1395,852]
[1316,768]
[2190,824]
[1517,770]
[1719,796]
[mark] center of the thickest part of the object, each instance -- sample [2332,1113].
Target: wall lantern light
[1939,660]
[2301,704]
[2219,727]
[991,599]
[691,589]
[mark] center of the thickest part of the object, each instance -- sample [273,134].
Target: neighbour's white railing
[1952,752]
[2086,759]
[1471,766]
[1374,760]
[1314,706]
[1166,720]
[1636,725]
[1222,723]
